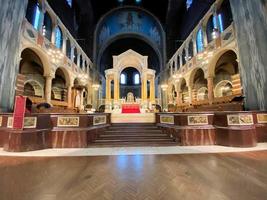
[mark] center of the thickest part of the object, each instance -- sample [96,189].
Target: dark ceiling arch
[160,49]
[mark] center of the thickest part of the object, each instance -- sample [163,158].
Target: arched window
[190,50]
[68,48]
[81,61]
[220,19]
[69,2]
[184,57]
[75,56]
[225,17]
[33,14]
[47,26]
[212,29]
[59,38]
[136,79]
[189,3]
[200,42]
[123,79]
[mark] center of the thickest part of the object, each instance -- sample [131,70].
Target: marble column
[144,87]
[181,60]
[69,96]
[190,95]
[89,94]
[210,89]
[12,13]
[108,89]
[250,20]
[116,88]
[48,88]
[152,90]
[205,36]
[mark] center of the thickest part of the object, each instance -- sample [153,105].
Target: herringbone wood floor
[233,176]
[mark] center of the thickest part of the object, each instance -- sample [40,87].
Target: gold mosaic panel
[166,119]
[68,121]
[197,120]
[101,119]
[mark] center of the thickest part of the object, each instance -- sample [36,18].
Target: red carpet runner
[130,108]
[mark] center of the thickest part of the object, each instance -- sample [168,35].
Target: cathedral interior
[125,99]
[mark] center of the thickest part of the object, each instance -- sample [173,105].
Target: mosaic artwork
[246,119]
[167,119]
[198,120]
[98,120]
[239,119]
[68,121]
[9,122]
[262,118]
[30,122]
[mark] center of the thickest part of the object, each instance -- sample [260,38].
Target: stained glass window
[200,44]
[69,2]
[58,38]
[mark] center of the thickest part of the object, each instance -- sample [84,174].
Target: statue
[130,97]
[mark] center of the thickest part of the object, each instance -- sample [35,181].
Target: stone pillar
[171,69]
[70,103]
[64,46]
[108,89]
[152,90]
[53,37]
[181,60]
[89,94]
[82,104]
[12,13]
[190,94]
[205,36]
[176,63]
[210,89]
[116,88]
[48,88]
[250,20]
[194,46]
[144,87]
[78,61]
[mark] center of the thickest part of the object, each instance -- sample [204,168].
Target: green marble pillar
[250,20]
[12,13]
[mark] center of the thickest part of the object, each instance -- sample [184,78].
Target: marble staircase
[145,134]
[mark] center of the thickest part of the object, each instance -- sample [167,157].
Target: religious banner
[262,118]
[101,119]
[167,119]
[19,112]
[197,120]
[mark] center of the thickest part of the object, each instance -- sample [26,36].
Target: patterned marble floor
[106,151]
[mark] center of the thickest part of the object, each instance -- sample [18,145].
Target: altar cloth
[130,108]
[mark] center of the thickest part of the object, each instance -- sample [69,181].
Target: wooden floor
[235,176]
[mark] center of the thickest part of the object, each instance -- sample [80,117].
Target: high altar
[127,59]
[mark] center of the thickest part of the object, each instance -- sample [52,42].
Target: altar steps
[133,135]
